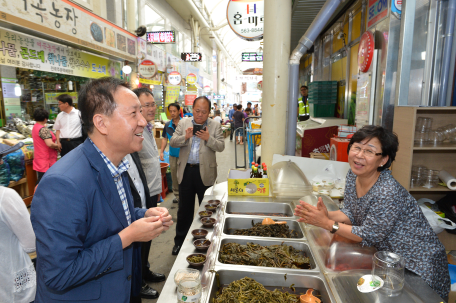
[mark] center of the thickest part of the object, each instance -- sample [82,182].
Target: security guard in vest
[303,106]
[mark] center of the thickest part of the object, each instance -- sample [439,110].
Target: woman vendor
[379,212]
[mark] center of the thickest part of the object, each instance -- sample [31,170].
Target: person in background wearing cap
[44,143]
[17,239]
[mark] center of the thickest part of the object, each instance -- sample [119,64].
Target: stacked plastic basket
[322,98]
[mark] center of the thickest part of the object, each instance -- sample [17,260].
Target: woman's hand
[317,216]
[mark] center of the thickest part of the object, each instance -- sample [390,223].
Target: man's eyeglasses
[149,105]
[367,152]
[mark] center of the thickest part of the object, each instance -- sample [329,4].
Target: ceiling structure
[214,13]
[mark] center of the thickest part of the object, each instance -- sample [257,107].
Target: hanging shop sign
[155,80]
[396,8]
[219,97]
[260,85]
[377,10]
[252,57]
[247,78]
[51,98]
[191,79]
[20,50]
[246,18]
[161,37]
[366,51]
[191,57]
[147,69]
[174,78]
[172,94]
[189,99]
[71,22]
[207,88]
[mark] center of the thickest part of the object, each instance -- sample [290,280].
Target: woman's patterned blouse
[389,219]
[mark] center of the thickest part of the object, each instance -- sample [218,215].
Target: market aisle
[160,258]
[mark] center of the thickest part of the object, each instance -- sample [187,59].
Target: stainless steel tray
[246,222]
[276,280]
[244,208]
[297,245]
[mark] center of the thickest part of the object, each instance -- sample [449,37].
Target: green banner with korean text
[24,51]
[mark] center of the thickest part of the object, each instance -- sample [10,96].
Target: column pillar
[131,16]
[219,76]
[276,50]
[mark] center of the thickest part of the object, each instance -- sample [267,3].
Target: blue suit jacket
[77,215]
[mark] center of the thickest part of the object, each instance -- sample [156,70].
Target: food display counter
[326,272]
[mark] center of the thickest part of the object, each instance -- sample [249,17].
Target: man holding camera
[198,138]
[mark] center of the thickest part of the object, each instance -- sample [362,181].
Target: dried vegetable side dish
[272,230]
[283,256]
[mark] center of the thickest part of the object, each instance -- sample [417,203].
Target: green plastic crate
[322,110]
[322,101]
[322,85]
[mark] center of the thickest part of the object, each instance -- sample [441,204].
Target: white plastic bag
[437,223]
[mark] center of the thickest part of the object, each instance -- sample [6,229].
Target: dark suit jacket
[77,215]
[134,192]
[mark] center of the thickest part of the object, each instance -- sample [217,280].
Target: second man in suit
[197,164]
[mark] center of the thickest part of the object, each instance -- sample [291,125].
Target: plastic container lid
[313,200]
[287,179]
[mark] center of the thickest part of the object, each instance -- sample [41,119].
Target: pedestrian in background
[239,118]
[217,116]
[44,144]
[142,199]
[68,125]
[17,239]
[197,167]
[168,132]
[149,154]
[230,116]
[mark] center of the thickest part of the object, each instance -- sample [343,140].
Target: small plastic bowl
[202,244]
[203,233]
[214,202]
[208,222]
[208,214]
[184,273]
[196,264]
[210,207]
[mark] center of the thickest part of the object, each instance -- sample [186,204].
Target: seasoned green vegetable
[283,256]
[247,290]
[197,259]
[270,230]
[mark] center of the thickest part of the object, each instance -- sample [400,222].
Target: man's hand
[203,134]
[59,146]
[162,156]
[188,133]
[142,230]
[164,215]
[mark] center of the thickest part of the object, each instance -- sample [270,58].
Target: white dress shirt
[134,175]
[69,124]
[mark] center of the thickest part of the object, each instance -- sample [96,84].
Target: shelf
[440,146]
[434,189]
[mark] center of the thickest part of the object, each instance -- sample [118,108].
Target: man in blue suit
[83,216]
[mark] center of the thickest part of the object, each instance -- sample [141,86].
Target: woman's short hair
[40,114]
[388,140]
[175,105]
[65,98]
[97,97]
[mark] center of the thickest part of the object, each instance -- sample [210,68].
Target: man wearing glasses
[150,162]
[197,164]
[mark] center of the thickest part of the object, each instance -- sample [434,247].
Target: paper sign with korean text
[172,94]
[147,69]
[174,78]
[24,51]
[246,18]
[189,99]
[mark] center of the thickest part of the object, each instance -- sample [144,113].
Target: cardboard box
[240,184]
[452,297]
[339,149]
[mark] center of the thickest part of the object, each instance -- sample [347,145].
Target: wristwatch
[335,227]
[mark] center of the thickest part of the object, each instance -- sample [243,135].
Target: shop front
[46,51]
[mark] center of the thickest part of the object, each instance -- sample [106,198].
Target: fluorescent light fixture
[70,85]
[126,69]
[423,56]
[17,90]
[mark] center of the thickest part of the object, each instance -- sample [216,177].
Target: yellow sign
[156,80]
[191,79]
[239,184]
[51,98]
[172,94]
